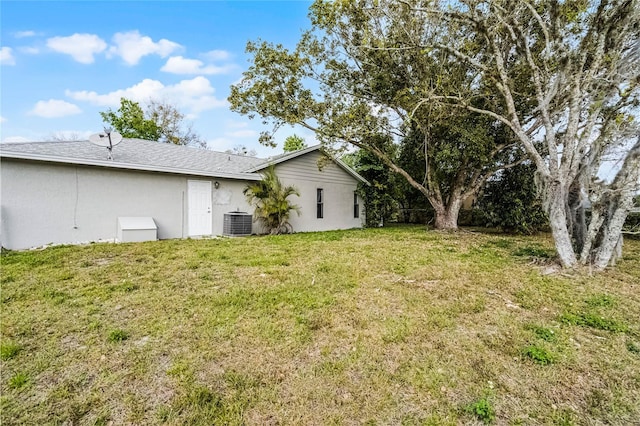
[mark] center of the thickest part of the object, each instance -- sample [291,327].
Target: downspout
[183,207]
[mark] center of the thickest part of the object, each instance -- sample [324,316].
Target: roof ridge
[39,142]
[135,140]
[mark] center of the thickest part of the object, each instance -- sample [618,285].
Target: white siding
[338,188]
[43,203]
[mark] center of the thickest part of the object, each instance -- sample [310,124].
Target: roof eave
[129,166]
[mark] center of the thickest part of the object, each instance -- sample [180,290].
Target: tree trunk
[610,247]
[558,221]
[447,216]
[577,222]
[608,215]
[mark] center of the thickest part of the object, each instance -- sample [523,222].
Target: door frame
[193,183]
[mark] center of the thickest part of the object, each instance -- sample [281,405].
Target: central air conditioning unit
[237,224]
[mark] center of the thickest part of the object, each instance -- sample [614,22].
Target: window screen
[320,203]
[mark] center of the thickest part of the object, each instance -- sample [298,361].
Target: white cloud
[23,34]
[180,65]
[141,92]
[14,139]
[6,56]
[194,95]
[220,144]
[2,119]
[131,46]
[81,47]
[54,108]
[217,55]
[29,50]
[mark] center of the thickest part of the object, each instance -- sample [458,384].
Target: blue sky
[63,62]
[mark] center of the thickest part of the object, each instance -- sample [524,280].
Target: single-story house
[71,192]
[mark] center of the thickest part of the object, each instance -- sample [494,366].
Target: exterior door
[199,210]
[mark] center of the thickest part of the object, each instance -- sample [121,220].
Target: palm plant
[272,208]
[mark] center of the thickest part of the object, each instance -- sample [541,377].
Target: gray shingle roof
[138,154]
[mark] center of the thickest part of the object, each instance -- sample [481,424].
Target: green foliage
[9,350]
[632,223]
[539,355]
[118,335]
[511,202]
[411,157]
[600,300]
[633,348]
[130,121]
[594,314]
[593,320]
[270,199]
[380,196]
[345,93]
[543,333]
[172,125]
[18,380]
[161,122]
[533,251]
[294,143]
[483,410]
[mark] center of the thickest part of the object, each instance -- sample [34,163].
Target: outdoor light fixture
[216,184]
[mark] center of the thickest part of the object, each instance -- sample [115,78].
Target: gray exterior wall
[43,203]
[338,188]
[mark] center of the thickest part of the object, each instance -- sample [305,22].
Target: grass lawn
[377,326]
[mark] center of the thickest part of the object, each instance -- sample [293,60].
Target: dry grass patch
[380,326]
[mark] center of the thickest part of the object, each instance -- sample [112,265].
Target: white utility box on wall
[136,229]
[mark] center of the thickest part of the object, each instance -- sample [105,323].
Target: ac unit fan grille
[237,224]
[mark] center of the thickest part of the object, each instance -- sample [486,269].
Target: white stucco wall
[43,203]
[338,188]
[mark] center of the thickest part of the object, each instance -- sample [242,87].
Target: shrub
[632,224]
[272,208]
[511,202]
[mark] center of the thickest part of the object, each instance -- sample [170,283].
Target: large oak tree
[351,78]
[580,99]
[563,77]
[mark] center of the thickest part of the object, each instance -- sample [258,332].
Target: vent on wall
[237,224]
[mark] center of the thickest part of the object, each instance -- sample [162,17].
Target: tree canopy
[567,75]
[294,143]
[130,121]
[380,194]
[242,150]
[342,82]
[161,121]
[478,80]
